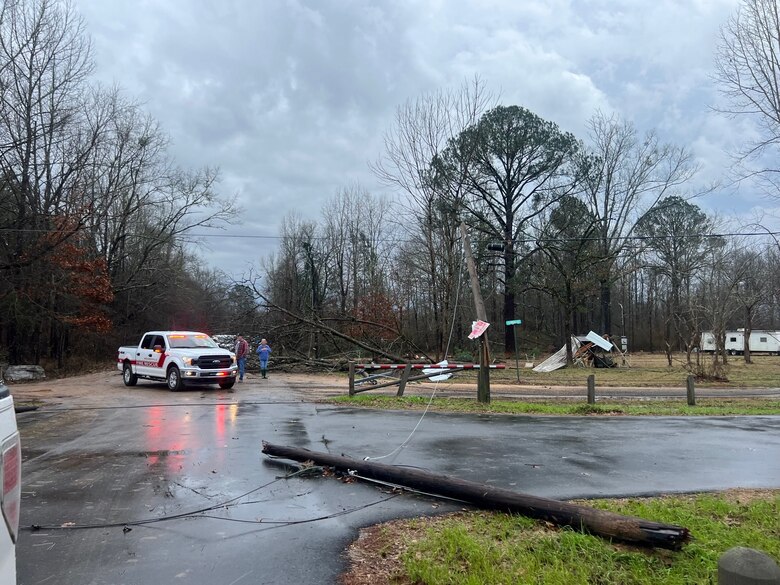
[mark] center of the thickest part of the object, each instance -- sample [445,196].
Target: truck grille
[213,362]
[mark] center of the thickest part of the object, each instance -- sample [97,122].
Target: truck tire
[173,379]
[129,378]
[227,384]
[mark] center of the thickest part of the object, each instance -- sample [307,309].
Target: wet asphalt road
[104,467]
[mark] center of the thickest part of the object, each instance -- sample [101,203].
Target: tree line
[94,213]
[570,234]
[645,264]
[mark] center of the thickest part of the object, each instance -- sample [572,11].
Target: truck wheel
[228,384]
[173,379]
[129,378]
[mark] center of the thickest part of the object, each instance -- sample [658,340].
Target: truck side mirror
[158,349]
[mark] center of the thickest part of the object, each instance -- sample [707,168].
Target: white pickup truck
[10,486]
[179,358]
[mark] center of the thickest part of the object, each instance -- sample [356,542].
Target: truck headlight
[187,361]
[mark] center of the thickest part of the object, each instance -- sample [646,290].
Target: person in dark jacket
[241,351]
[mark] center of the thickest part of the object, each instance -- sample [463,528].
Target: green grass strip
[634,407]
[481,547]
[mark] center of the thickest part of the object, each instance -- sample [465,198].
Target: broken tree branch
[331,330]
[603,523]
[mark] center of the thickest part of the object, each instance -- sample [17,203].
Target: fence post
[592,389]
[690,382]
[351,378]
[404,378]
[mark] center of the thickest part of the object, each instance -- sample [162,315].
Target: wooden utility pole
[483,380]
[607,524]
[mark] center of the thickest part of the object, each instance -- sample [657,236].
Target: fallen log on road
[607,524]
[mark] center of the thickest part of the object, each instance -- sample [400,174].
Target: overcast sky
[290,98]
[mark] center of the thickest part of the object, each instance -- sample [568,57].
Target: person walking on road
[242,350]
[263,351]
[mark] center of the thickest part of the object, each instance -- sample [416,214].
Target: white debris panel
[558,360]
[440,377]
[597,339]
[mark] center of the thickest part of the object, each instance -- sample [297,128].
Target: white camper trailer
[761,341]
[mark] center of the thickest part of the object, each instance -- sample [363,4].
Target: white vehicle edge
[10,485]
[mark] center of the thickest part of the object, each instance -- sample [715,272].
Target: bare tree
[421,132]
[624,175]
[87,188]
[143,205]
[566,261]
[751,274]
[719,300]
[341,215]
[45,129]
[747,67]
[360,236]
[676,241]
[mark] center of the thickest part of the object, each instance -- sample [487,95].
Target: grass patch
[24,405]
[646,370]
[480,547]
[763,373]
[704,406]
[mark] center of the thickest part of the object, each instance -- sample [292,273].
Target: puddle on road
[294,428]
[161,453]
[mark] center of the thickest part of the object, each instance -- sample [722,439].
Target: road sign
[514,322]
[478,328]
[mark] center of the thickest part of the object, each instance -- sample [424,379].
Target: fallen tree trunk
[321,326]
[316,363]
[607,524]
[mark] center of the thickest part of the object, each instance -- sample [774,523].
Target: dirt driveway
[99,387]
[105,388]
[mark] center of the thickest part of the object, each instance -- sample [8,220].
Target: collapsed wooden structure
[603,523]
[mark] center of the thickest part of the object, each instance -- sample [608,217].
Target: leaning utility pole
[483,380]
[630,529]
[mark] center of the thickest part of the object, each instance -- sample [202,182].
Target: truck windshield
[182,341]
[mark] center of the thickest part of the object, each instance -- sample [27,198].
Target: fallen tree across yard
[600,522]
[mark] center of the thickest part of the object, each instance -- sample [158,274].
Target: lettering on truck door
[150,356]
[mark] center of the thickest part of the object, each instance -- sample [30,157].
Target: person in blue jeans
[263,351]
[241,351]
